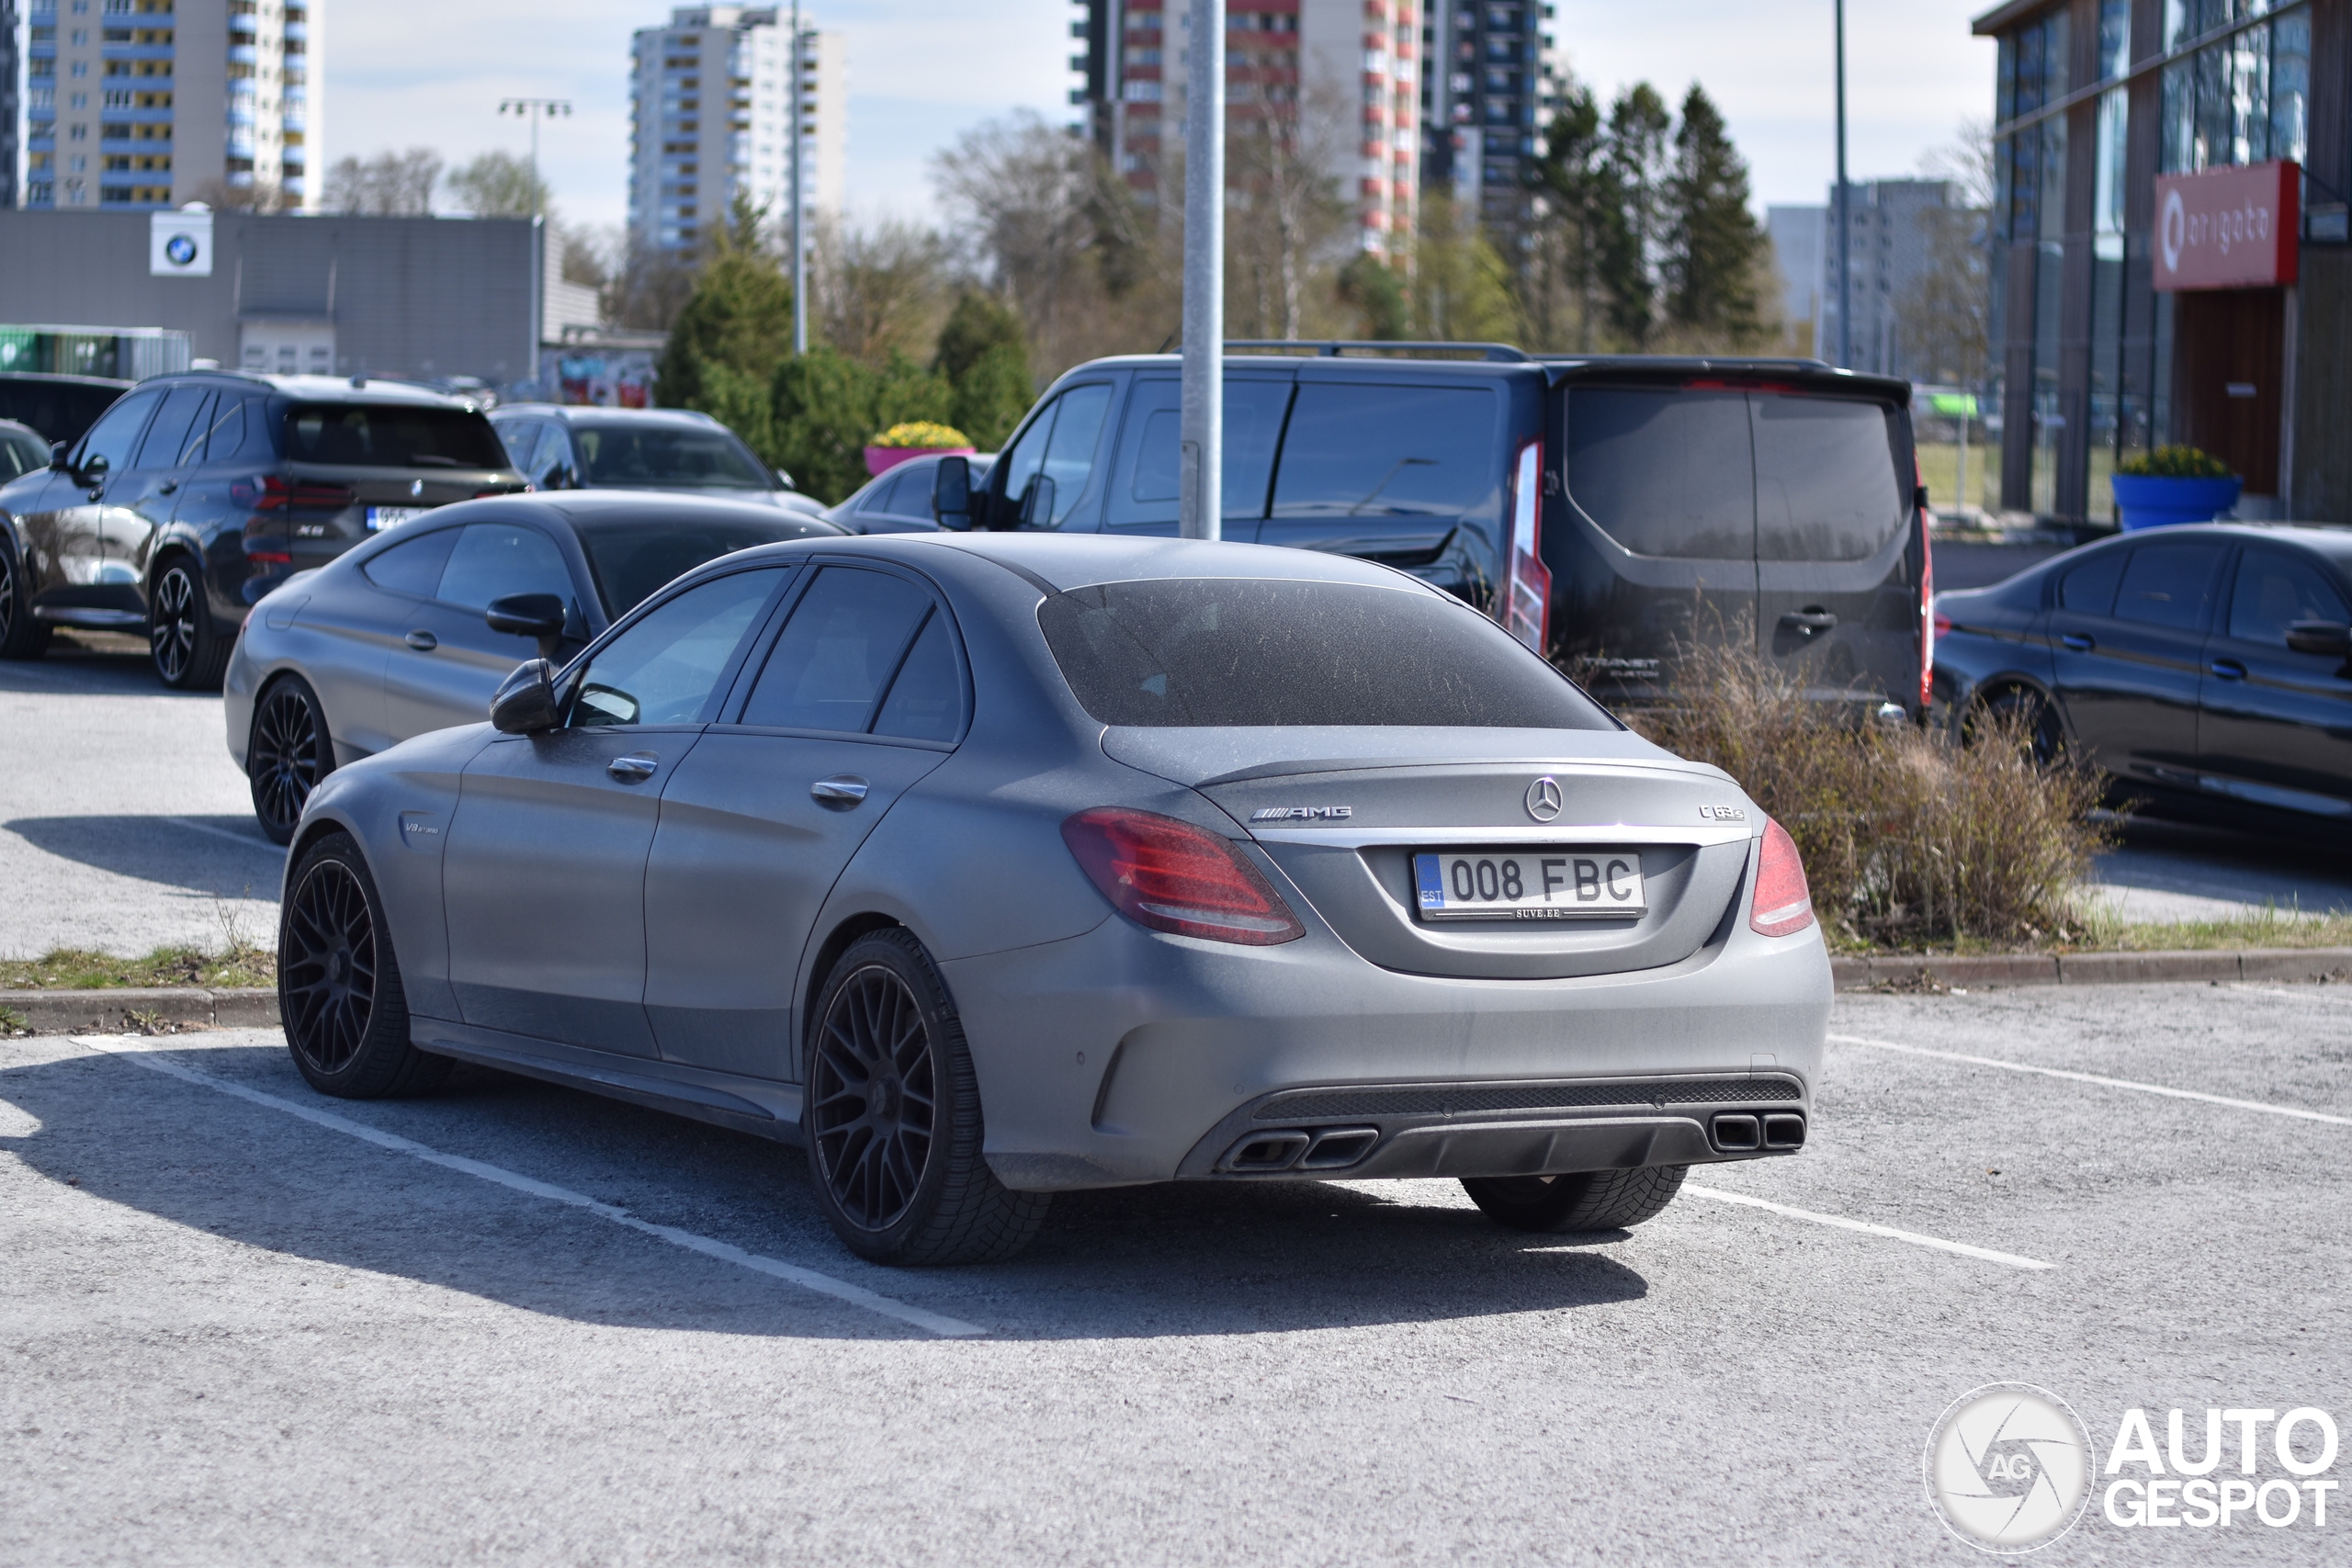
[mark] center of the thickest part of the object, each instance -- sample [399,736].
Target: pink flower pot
[880,460]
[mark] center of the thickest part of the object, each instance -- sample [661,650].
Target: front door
[2128,661]
[2275,725]
[73,531]
[544,878]
[446,662]
[862,696]
[2229,374]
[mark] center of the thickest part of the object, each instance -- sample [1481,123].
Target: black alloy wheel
[1582,1200]
[188,655]
[21,636]
[289,752]
[2032,718]
[893,1117]
[338,985]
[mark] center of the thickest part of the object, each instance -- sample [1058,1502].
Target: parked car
[59,407]
[196,493]
[901,501]
[1185,861]
[2207,668]
[414,631]
[561,446]
[1604,509]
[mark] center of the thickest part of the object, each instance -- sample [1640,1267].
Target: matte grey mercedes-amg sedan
[990,866]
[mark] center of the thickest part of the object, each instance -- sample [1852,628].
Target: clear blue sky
[406,72]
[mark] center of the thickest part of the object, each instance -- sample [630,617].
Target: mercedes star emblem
[1543,798]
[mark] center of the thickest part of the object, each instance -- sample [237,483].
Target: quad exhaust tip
[1324,1148]
[1738,1133]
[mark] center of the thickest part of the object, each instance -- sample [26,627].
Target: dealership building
[2169,259]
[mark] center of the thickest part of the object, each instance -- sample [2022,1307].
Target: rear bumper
[1123,1056]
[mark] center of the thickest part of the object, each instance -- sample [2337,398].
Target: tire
[2035,715]
[1587,1201]
[898,1167]
[339,982]
[288,753]
[187,654]
[21,636]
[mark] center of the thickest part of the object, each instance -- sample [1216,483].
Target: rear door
[2128,659]
[1143,494]
[2275,725]
[1836,590]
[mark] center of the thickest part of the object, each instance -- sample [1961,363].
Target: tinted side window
[1144,480]
[1023,462]
[521,439]
[494,559]
[2090,587]
[2167,585]
[413,565]
[1665,472]
[183,411]
[231,422]
[664,668]
[844,643]
[926,701]
[112,436]
[2274,591]
[1070,452]
[1389,452]
[884,498]
[1826,483]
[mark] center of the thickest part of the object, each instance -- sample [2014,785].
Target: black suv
[1605,509]
[195,494]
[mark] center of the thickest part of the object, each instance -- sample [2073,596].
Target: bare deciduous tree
[1945,317]
[878,290]
[390,185]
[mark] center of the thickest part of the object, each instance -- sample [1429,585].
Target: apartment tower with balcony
[155,103]
[712,111]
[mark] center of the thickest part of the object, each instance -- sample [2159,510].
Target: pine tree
[1714,248]
[1573,178]
[984,354]
[1632,233]
[739,316]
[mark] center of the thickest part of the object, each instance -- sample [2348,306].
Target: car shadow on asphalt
[94,664]
[225,856]
[1175,1261]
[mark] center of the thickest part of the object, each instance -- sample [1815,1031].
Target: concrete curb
[140,1011]
[1930,973]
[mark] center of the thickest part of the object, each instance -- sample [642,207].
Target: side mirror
[540,615]
[950,492]
[785,480]
[58,459]
[2329,637]
[525,703]
[95,467]
[1038,503]
[1919,498]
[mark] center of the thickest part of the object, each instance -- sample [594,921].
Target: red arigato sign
[2228,228]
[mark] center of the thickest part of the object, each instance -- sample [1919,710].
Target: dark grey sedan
[414,630]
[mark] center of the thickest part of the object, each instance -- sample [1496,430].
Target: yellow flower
[922,433]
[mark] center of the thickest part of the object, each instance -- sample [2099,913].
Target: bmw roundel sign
[179,244]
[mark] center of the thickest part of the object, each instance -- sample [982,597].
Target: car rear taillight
[1928,618]
[1527,594]
[1783,904]
[269,557]
[273,492]
[1175,878]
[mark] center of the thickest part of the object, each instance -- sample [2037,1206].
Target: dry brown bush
[1908,837]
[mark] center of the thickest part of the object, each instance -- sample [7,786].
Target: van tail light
[1783,904]
[1175,878]
[1527,591]
[1929,622]
[273,492]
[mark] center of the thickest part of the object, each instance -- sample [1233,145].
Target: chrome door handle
[1810,621]
[2076,643]
[635,768]
[422,641]
[843,790]
[2229,669]
[167,487]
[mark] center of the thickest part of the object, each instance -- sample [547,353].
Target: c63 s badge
[1722,813]
[1302,813]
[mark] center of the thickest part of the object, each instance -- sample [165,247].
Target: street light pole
[799,246]
[1845,232]
[1201,430]
[532,110]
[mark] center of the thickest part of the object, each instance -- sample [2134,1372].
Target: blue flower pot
[2150,502]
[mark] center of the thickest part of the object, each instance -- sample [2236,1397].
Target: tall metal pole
[799,247]
[1200,484]
[530,109]
[1845,232]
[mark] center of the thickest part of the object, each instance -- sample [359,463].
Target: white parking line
[807,1278]
[2168,1093]
[1914,1237]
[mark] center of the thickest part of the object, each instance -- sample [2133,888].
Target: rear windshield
[391,436]
[1356,451]
[1724,474]
[631,559]
[652,456]
[1249,653]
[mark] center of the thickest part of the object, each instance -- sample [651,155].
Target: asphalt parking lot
[515,1322]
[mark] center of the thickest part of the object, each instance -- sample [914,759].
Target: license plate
[1530,885]
[382,517]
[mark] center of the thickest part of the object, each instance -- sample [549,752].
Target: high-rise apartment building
[1892,249]
[1487,100]
[1343,72]
[712,113]
[153,103]
[11,103]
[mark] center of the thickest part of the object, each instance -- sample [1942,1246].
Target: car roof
[116,383]
[1804,375]
[572,413]
[589,510]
